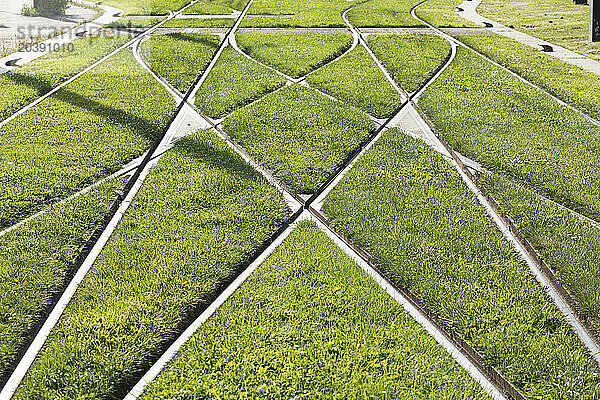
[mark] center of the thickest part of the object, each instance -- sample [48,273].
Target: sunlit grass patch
[309,323]
[294,54]
[299,134]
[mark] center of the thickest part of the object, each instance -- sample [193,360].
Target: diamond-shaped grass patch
[357,79]
[235,81]
[294,54]
[299,134]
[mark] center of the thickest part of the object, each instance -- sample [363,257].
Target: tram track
[60,86]
[457,42]
[96,243]
[539,269]
[492,381]
[499,382]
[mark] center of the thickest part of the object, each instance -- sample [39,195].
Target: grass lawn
[234,82]
[294,54]
[410,59]
[355,78]
[216,7]
[37,258]
[199,23]
[84,132]
[134,23]
[299,134]
[22,86]
[569,245]
[180,57]
[490,116]
[572,84]
[384,13]
[298,13]
[147,7]
[442,14]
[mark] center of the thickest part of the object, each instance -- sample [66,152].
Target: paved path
[48,25]
[470,13]
[16,28]
[423,31]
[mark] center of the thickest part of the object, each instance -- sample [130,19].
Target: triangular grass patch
[294,54]
[310,312]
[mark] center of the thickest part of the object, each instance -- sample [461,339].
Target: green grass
[180,57]
[572,84]
[491,116]
[409,208]
[384,13]
[200,214]
[558,21]
[147,7]
[442,13]
[133,23]
[355,78]
[569,245]
[309,323]
[233,82]
[410,59]
[36,258]
[24,85]
[298,134]
[216,7]
[295,54]
[304,13]
[84,132]
[199,23]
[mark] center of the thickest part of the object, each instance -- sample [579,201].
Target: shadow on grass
[196,147]
[48,193]
[119,116]
[195,38]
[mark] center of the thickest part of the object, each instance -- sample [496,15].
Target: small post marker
[595,20]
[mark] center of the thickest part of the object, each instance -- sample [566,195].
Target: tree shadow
[195,38]
[198,146]
[119,116]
